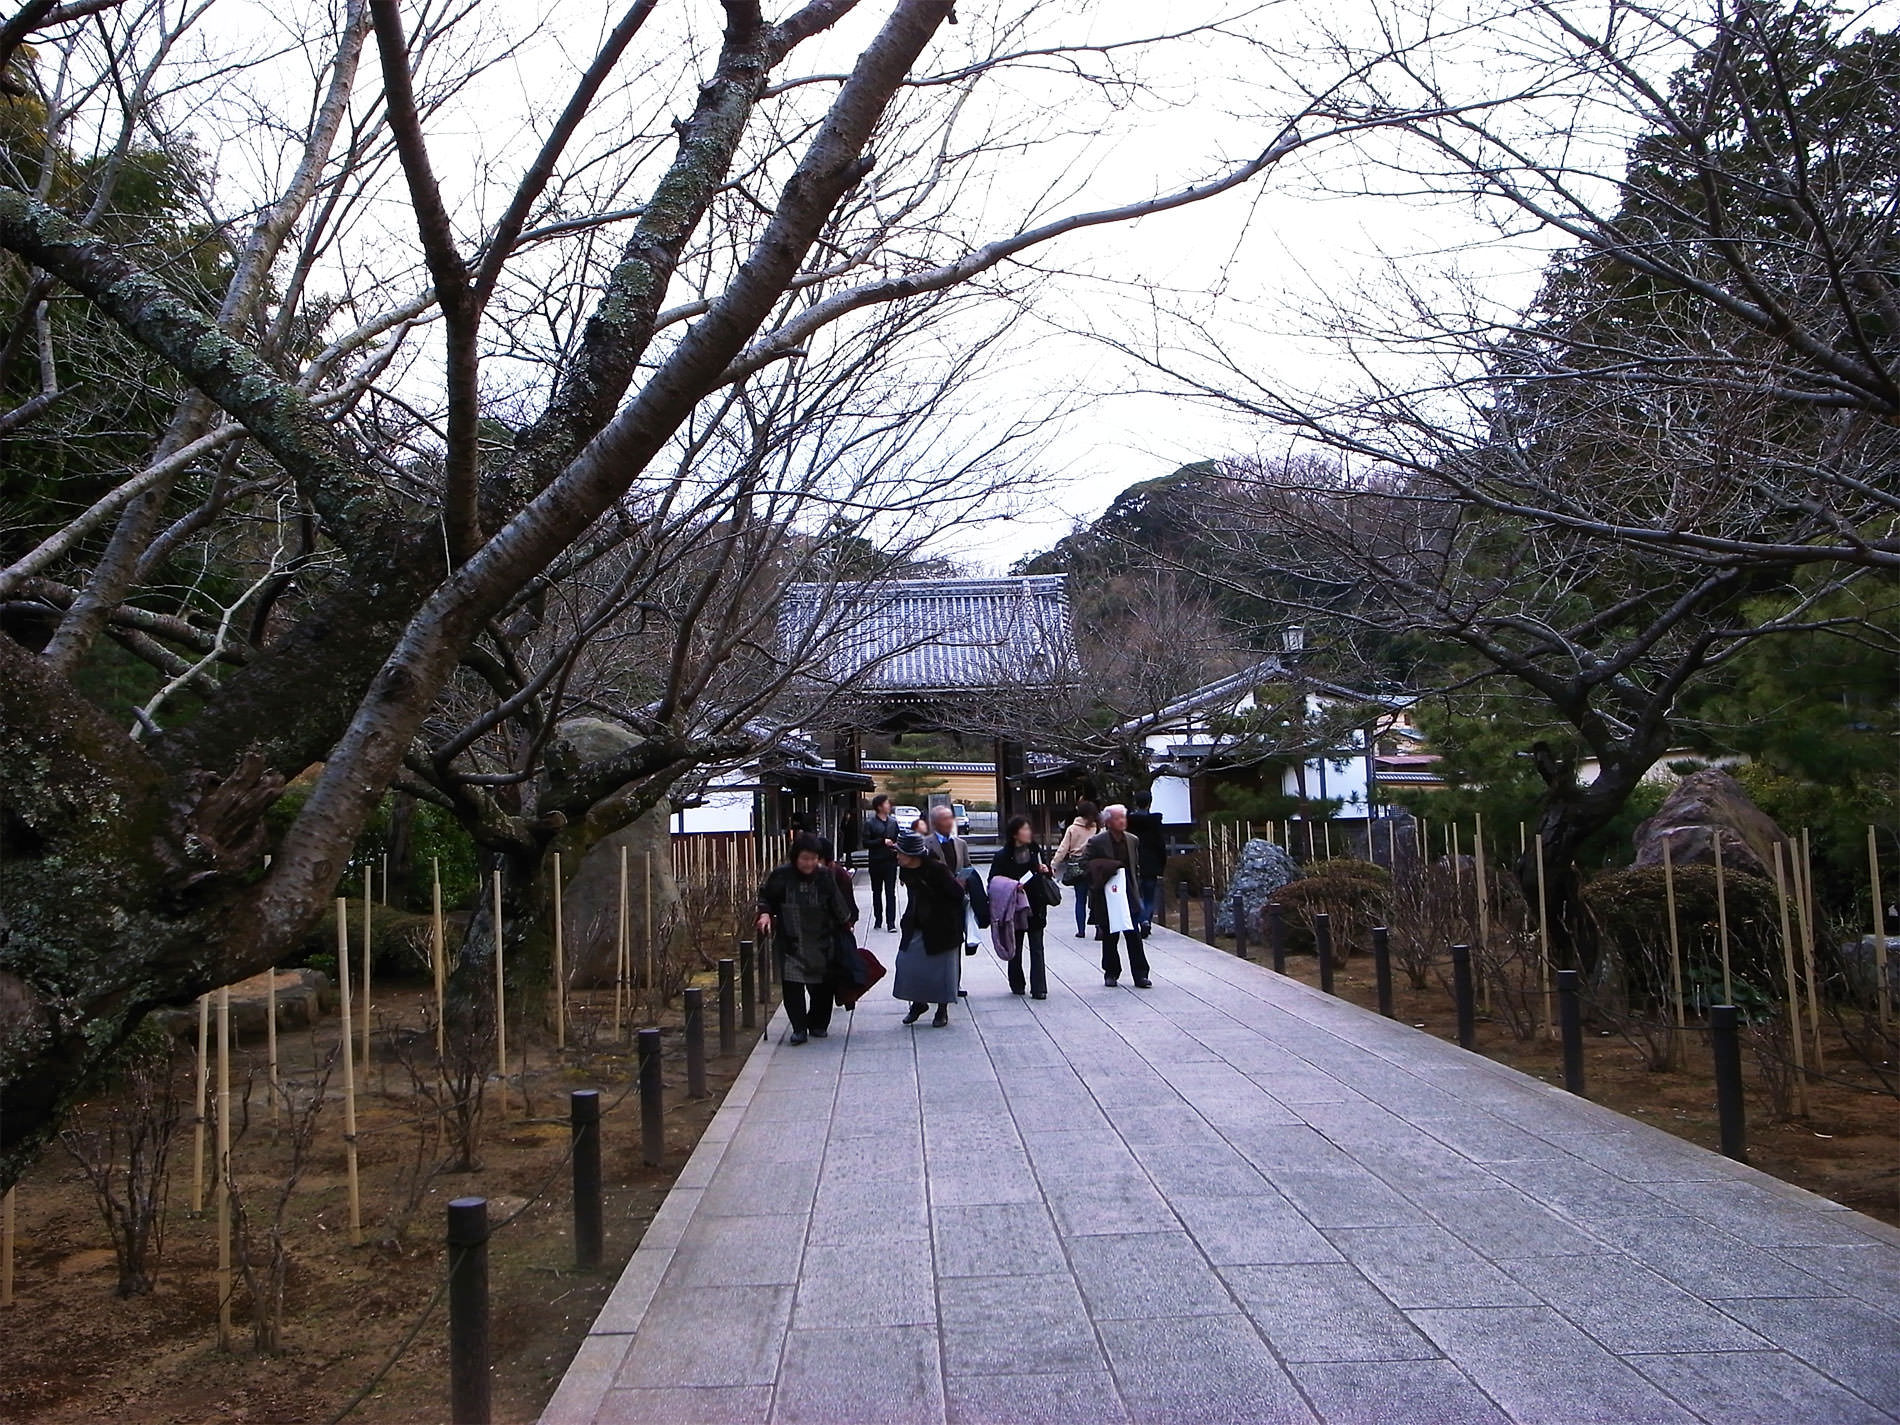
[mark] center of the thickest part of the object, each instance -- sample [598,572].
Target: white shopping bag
[1119,921]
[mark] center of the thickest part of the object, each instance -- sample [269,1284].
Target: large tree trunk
[1572,813]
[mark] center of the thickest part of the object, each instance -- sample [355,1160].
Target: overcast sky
[1258,266]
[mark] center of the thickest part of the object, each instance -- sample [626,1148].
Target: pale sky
[1258,266]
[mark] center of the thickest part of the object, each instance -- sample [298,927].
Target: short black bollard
[652,1110]
[1276,935]
[748,988]
[1725,1038]
[583,1126]
[1323,942]
[695,1001]
[1462,996]
[728,1031]
[1181,903]
[1237,908]
[468,1311]
[1570,1017]
[1382,967]
[1208,913]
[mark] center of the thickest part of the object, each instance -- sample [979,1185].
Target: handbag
[1075,873]
[865,971]
[1042,890]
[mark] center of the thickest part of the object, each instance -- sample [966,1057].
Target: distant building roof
[906,636]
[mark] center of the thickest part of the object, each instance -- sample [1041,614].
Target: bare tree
[372,529]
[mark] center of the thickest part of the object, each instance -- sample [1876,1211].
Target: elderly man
[1112,852]
[953,849]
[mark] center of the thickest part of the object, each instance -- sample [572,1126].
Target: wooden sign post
[1794,990]
[560,964]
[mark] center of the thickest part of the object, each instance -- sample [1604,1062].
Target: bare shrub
[122,1140]
[262,1243]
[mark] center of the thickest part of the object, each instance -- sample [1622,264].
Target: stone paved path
[1226,1199]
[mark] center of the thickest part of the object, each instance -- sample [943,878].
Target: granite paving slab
[1228,1199]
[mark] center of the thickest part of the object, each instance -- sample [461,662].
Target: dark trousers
[1150,891]
[1112,960]
[1081,896]
[1030,949]
[884,894]
[812,1018]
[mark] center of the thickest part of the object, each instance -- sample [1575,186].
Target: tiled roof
[935,635]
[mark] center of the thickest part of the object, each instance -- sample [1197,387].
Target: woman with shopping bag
[1114,861]
[1019,906]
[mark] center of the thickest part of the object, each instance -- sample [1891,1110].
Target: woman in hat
[930,934]
[805,911]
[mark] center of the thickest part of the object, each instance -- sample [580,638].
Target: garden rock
[1705,807]
[303,997]
[1859,970]
[1264,868]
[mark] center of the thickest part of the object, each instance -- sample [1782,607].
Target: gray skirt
[920,978]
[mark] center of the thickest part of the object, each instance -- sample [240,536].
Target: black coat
[1151,830]
[878,830]
[934,904]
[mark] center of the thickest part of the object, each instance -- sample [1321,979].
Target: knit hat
[911,844]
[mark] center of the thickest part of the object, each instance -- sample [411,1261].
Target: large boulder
[591,900]
[592,893]
[303,997]
[1706,807]
[1264,868]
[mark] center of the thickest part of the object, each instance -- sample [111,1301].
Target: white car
[905,816]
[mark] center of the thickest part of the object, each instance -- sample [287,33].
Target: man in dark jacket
[1146,826]
[1111,852]
[880,844]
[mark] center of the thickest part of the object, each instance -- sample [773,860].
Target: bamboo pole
[1522,844]
[385,878]
[270,1047]
[199,1106]
[438,955]
[1457,869]
[6,1247]
[346,1044]
[560,963]
[1810,913]
[1721,919]
[1794,990]
[369,874]
[620,945]
[646,890]
[1424,840]
[1484,905]
[1392,843]
[1882,990]
[1675,933]
[1543,935]
[1326,836]
[224,1167]
[501,1000]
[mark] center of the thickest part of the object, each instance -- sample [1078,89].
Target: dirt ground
[75,1352]
[1847,1147]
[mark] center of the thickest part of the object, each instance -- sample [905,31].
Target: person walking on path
[1148,829]
[1068,850]
[954,850]
[1113,853]
[1016,860]
[880,843]
[930,934]
[807,914]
